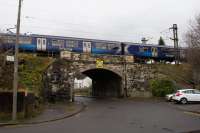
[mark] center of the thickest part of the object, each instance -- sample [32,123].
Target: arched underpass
[105,83]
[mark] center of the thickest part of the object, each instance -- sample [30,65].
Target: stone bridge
[112,76]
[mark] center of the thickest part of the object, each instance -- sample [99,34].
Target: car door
[192,95]
[197,95]
[189,94]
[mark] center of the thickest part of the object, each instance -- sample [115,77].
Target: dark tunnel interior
[105,83]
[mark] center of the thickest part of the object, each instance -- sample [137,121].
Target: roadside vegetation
[171,78]
[31,70]
[161,87]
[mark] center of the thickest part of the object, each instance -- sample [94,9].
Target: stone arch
[106,82]
[59,78]
[115,69]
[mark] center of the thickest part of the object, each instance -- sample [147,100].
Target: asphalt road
[119,116]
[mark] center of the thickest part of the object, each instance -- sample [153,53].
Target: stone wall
[138,77]
[59,77]
[61,74]
[57,81]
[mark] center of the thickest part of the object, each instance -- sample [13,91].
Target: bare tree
[193,53]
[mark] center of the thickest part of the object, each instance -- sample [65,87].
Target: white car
[169,97]
[187,95]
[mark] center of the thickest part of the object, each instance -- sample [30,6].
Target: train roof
[61,37]
[87,39]
[74,38]
[147,45]
[153,45]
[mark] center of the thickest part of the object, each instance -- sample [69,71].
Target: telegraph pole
[15,80]
[175,39]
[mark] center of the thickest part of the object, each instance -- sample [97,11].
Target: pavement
[52,112]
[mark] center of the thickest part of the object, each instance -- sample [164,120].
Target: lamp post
[15,80]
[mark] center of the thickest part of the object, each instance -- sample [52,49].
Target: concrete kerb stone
[46,121]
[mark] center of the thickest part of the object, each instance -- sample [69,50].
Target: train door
[154,52]
[87,47]
[41,44]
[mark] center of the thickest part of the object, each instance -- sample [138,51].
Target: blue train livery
[55,44]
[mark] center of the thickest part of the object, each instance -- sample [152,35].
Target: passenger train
[55,44]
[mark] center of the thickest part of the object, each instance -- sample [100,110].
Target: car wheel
[183,100]
[170,99]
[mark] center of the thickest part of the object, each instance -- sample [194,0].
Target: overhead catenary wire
[68,29]
[64,29]
[166,34]
[89,26]
[30,23]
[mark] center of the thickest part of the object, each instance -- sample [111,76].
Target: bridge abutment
[112,79]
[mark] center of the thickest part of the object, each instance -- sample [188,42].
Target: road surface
[119,116]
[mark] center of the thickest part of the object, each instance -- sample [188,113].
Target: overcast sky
[120,20]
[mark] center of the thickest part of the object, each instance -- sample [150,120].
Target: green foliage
[161,42]
[161,87]
[31,72]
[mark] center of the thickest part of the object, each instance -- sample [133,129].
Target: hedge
[162,87]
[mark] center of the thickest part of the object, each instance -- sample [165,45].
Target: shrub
[161,87]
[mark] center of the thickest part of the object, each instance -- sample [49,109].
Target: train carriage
[150,51]
[55,44]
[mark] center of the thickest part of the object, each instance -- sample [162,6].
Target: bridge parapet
[87,57]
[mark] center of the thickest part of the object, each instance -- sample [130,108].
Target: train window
[101,45]
[25,40]
[44,41]
[58,43]
[9,39]
[111,46]
[72,44]
[143,49]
